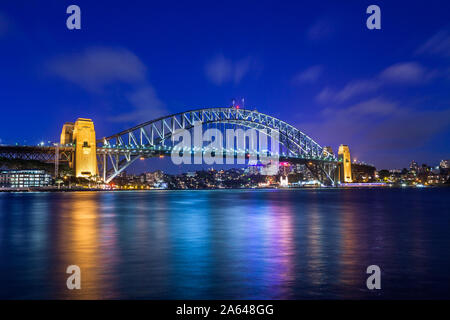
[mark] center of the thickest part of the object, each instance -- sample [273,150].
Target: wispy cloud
[350,90]
[321,29]
[98,67]
[221,70]
[404,73]
[310,75]
[95,69]
[147,106]
[438,44]
[356,88]
[372,107]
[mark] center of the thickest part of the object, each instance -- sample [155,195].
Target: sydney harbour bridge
[109,156]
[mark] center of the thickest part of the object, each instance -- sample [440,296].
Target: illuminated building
[346,167]
[414,166]
[82,134]
[284,181]
[363,172]
[445,164]
[24,178]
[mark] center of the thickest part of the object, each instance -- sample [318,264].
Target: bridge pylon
[82,135]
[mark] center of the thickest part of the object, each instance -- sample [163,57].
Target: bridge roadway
[47,153]
[39,153]
[319,166]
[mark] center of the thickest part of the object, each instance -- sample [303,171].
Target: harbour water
[226,244]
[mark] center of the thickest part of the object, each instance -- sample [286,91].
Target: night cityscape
[217,159]
[23,175]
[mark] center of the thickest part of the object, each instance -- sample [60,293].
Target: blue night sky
[314,64]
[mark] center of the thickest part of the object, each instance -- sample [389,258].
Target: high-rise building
[444,164]
[414,166]
[346,166]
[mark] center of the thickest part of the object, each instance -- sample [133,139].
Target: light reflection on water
[225,244]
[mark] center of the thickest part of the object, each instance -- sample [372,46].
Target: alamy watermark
[238,146]
[73,21]
[74,280]
[374,280]
[374,20]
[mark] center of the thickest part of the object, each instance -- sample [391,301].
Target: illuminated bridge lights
[149,140]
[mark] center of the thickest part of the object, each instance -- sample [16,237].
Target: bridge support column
[324,172]
[85,148]
[82,134]
[104,167]
[56,160]
[344,156]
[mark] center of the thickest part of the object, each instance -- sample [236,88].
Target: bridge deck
[40,153]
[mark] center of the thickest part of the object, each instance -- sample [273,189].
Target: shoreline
[50,190]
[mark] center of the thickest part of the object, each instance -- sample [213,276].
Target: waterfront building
[433,179]
[444,164]
[24,178]
[363,172]
[284,181]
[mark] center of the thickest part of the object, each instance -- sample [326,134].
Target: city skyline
[382,92]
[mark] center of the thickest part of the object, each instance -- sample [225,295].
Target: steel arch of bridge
[147,139]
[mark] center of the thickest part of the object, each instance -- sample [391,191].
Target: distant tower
[414,166]
[445,164]
[344,156]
